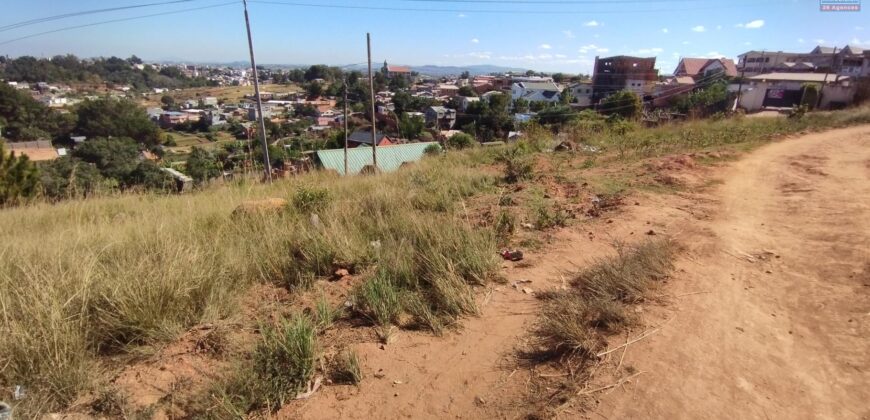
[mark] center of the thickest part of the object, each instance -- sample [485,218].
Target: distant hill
[428,70]
[475,70]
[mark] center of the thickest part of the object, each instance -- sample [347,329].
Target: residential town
[434,209]
[305,107]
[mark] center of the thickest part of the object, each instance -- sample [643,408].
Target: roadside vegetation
[88,281]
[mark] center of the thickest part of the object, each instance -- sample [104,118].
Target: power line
[87,12]
[544,2]
[9,41]
[495,11]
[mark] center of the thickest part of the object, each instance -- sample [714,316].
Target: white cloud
[592,48]
[675,55]
[568,34]
[475,41]
[462,15]
[718,27]
[561,56]
[593,23]
[820,41]
[714,54]
[686,42]
[699,28]
[755,24]
[545,46]
[596,36]
[747,43]
[859,28]
[647,51]
[485,55]
[857,42]
[665,30]
[801,41]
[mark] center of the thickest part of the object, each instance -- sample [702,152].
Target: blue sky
[565,37]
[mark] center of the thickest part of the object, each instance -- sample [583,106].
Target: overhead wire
[87,12]
[86,25]
[492,11]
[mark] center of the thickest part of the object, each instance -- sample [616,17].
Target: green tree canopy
[69,177]
[202,165]
[109,117]
[23,118]
[19,178]
[460,141]
[624,103]
[115,158]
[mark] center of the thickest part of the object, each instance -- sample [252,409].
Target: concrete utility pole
[345,126]
[266,162]
[825,82]
[372,93]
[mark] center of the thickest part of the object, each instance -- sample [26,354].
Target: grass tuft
[575,321]
[346,368]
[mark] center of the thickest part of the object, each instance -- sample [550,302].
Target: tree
[23,118]
[167,101]
[624,103]
[69,177]
[566,97]
[559,77]
[115,158]
[19,178]
[460,141]
[410,127]
[521,105]
[116,118]
[201,165]
[559,114]
[467,91]
[313,89]
[465,75]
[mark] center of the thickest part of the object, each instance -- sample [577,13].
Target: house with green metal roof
[390,158]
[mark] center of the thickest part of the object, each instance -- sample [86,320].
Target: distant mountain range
[428,70]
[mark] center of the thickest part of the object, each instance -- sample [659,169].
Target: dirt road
[781,328]
[770,319]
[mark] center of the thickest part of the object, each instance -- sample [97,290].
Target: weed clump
[575,321]
[346,368]
[311,199]
[281,366]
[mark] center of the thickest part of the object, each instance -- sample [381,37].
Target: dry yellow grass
[84,279]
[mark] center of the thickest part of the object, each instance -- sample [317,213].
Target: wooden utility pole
[345,126]
[372,93]
[267,166]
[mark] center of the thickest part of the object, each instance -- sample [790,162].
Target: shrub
[311,199]
[19,178]
[623,103]
[460,141]
[518,165]
[432,150]
[546,216]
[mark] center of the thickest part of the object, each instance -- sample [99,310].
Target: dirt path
[781,328]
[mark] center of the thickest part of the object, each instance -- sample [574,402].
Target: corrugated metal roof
[390,158]
[800,77]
